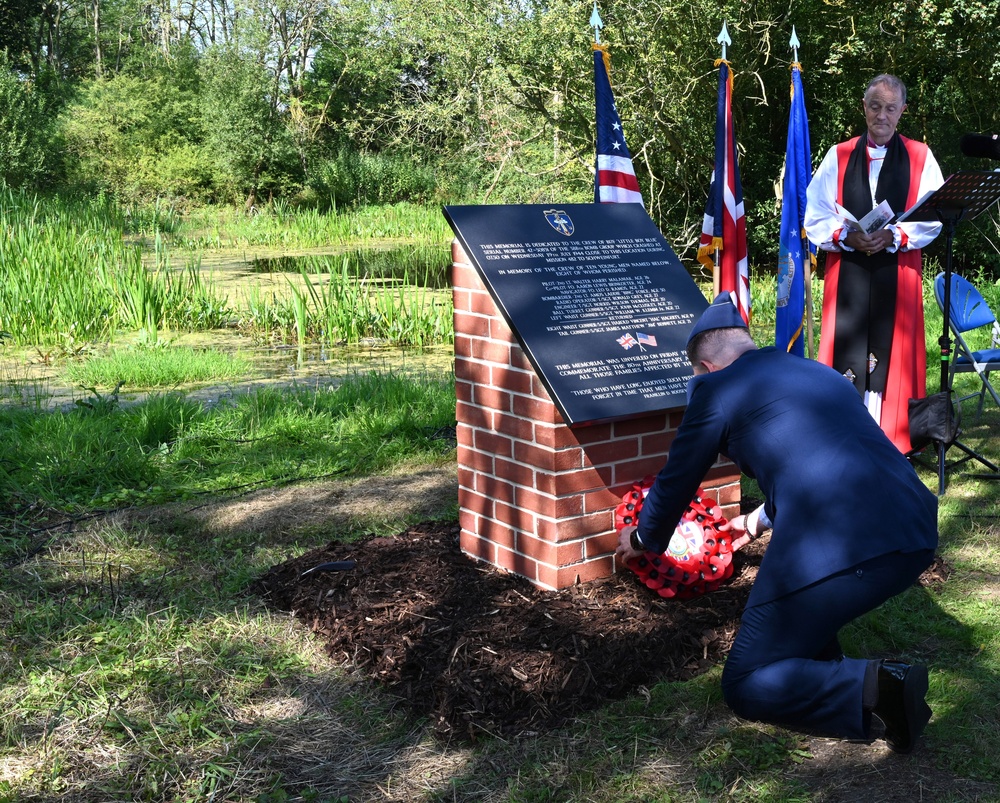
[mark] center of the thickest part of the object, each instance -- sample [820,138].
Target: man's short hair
[714,343]
[890,81]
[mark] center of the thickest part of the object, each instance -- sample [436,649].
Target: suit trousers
[786,667]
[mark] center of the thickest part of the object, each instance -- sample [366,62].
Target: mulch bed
[478,651]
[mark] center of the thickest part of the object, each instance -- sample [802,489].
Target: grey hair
[890,81]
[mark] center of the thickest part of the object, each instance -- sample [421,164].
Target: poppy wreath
[699,557]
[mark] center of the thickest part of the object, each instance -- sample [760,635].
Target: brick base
[536,497]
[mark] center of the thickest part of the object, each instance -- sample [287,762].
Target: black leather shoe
[901,705]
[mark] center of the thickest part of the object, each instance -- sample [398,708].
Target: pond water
[35,376]
[236,273]
[39,379]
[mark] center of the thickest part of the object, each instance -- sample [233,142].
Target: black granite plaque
[596,297]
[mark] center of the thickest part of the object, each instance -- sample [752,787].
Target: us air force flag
[794,249]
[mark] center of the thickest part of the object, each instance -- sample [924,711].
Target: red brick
[480,303]
[477,547]
[479,504]
[514,426]
[554,436]
[477,461]
[517,473]
[597,433]
[491,351]
[500,331]
[658,444]
[556,507]
[472,325]
[726,494]
[458,254]
[602,544]
[518,564]
[469,521]
[636,470]
[561,460]
[463,387]
[462,273]
[538,388]
[474,416]
[510,379]
[601,454]
[469,370]
[538,410]
[460,298]
[547,552]
[496,488]
[585,526]
[517,517]
[463,346]
[583,572]
[492,398]
[465,435]
[603,499]
[571,482]
[498,533]
[467,478]
[518,359]
[492,443]
[641,426]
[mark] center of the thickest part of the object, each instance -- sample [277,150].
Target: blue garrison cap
[721,314]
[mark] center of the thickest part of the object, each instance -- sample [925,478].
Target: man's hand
[869,244]
[745,529]
[738,530]
[624,550]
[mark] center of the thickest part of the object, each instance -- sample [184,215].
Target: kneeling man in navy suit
[829,475]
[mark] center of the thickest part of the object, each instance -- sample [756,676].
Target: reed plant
[338,308]
[67,272]
[278,224]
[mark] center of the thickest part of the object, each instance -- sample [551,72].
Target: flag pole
[794,44]
[596,23]
[723,39]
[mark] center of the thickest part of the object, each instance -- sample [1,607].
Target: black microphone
[983,146]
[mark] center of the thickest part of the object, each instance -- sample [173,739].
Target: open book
[873,221]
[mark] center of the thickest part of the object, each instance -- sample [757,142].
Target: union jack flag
[626,341]
[614,177]
[724,230]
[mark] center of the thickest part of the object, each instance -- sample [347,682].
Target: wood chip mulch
[478,651]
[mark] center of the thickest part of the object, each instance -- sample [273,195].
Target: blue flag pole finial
[794,44]
[723,39]
[596,23]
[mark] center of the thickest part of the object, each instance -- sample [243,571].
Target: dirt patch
[479,651]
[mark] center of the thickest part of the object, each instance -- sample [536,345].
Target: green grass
[167,367]
[103,453]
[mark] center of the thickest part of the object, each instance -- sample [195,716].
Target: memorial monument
[571,376]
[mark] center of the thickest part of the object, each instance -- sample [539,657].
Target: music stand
[963,196]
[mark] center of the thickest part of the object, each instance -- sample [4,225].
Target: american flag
[725,227]
[645,340]
[626,341]
[614,178]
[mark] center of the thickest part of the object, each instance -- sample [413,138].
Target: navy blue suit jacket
[837,490]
